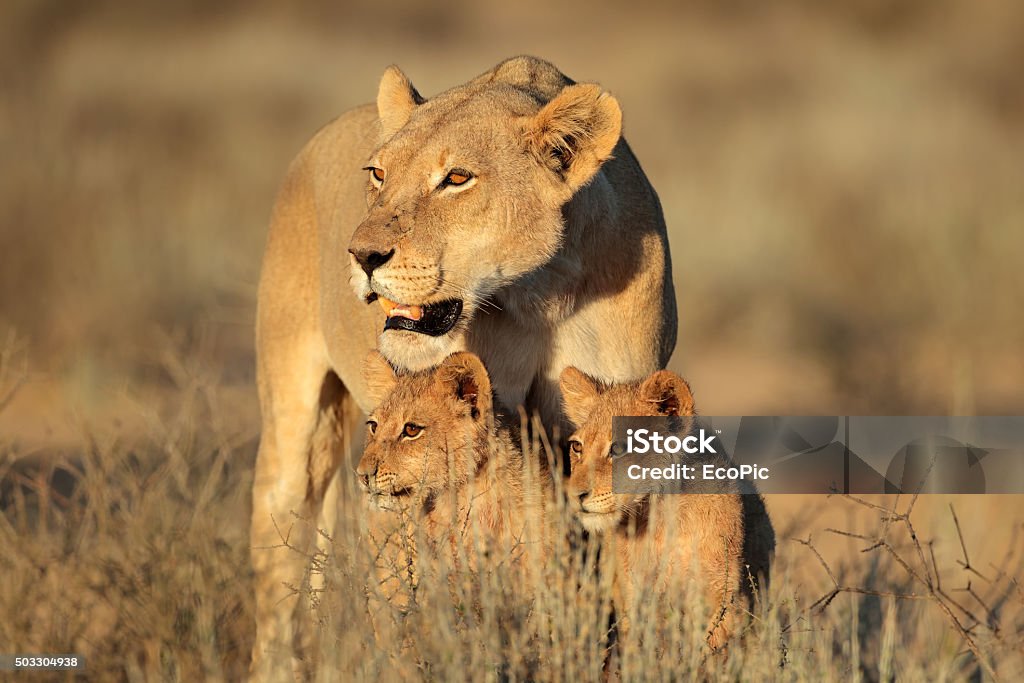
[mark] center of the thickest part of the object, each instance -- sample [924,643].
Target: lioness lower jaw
[414,351]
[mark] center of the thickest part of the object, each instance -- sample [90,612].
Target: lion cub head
[429,431]
[465,193]
[591,407]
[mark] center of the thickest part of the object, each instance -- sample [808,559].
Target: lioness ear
[379,376]
[396,98]
[465,376]
[575,132]
[668,394]
[579,394]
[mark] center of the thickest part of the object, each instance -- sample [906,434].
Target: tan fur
[557,246]
[657,539]
[462,474]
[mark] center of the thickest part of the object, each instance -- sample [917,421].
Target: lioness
[506,216]
[435,450]
[657,538]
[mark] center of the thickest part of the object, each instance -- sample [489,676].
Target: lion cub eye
[576,448]
[456,177]
[617,449]
[412,431]
[372,426]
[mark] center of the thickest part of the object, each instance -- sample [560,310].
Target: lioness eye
[411,431]
[372,426]
[618,448]
[377,173]
[457,177]
[576,447]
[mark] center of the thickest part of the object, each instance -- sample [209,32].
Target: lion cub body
[664,542]
[436,453]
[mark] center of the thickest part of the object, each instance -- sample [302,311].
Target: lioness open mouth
[431,319]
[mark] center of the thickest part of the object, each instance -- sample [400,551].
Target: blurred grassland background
[843,182]
[843,185]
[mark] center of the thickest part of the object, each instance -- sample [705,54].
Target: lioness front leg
[291,386]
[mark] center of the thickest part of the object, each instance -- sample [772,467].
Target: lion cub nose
[364,472]
[581,496]
[370,260]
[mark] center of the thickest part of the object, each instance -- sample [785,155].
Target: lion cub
[657,539]
[435,451]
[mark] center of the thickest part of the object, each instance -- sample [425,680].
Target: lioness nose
[582,496]
[371,260]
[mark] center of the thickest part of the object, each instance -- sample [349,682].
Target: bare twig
[966,563]
[925,576]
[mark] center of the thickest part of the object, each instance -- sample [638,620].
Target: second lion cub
[660,541]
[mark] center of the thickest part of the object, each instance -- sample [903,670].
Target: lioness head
[428,432]
[465,195]
[591,406]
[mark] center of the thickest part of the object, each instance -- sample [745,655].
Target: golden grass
[134,554]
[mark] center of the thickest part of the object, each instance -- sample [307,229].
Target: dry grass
[842,185]
[134,554]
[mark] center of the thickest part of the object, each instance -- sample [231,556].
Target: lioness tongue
[391,309]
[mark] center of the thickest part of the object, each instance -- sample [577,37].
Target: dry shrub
[134,553]
[451,623]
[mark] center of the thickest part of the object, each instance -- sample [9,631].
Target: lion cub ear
[463,375]
[379,376]
[575,132]
[579,394]
[396,98]
[668,394]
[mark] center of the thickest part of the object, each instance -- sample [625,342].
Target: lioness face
[591,407]
[428,431]
[465,195]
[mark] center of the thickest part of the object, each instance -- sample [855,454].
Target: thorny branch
[923,572]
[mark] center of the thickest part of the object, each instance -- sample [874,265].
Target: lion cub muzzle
[381,485]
